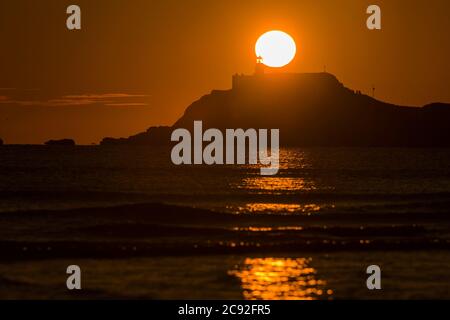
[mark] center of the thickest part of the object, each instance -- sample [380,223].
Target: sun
[276,48]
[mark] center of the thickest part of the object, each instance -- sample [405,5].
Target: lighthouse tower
[259,68]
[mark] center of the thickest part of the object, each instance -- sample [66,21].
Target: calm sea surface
[310,181]
[140,227]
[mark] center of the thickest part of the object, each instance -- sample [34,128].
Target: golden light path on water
[276,278]
[280,279]
[268,229]
[276,184]
[279,208]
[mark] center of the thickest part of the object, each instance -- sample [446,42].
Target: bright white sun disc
[276,48]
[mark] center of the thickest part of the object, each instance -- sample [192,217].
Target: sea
[140,227]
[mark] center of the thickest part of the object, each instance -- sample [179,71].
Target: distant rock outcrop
[62,142]
[155,136]
[310,109]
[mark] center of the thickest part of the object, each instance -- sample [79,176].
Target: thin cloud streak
[131,104]
[107,99]
[105,96]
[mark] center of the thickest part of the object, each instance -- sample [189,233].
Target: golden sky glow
[171,52]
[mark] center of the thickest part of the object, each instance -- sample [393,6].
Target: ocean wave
[149,229]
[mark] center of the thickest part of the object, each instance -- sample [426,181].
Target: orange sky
[140,63]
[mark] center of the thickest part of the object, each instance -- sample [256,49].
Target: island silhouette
[310,109]
[61,142]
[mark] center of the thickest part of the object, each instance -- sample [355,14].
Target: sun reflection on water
[279,208]
[280,279]
[276,184]
[268,229]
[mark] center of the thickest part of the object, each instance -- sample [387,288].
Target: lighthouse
[259,68]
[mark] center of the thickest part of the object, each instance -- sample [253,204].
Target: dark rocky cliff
[310,110]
